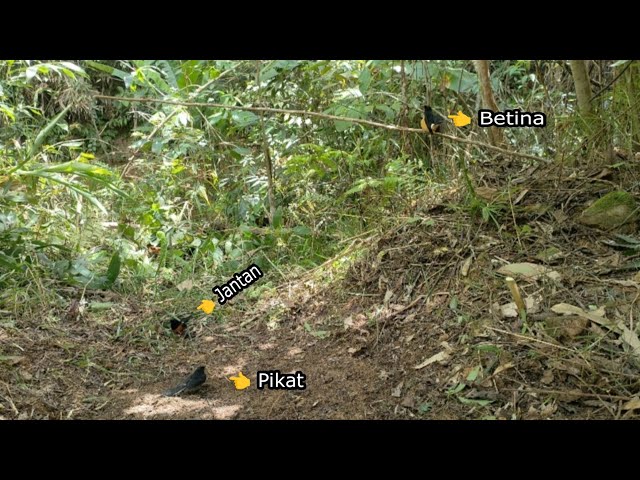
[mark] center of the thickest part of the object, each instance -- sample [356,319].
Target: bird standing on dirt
[431,121]
[179,326]
[190,384]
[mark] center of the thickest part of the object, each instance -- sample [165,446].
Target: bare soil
[409,330]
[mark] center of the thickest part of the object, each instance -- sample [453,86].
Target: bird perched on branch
[431,121]
[189,384]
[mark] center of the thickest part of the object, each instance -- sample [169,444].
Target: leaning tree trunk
[488,101]
[583,86]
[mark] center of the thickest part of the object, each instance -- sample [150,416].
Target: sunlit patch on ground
[234,368]
[150,406]
[292,352]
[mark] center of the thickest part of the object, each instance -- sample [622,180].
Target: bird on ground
[180,326]
[189,384]
[431,121]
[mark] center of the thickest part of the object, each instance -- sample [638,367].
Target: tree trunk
[583,86]
[488,101]
[632,95]
[265,148]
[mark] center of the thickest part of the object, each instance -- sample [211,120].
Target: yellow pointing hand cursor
[460,120]
[241,382]
[207,306]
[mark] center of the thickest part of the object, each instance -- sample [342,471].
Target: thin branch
[570,393]
[608,85]
[325,116]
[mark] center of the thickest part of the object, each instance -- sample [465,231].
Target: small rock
[559,326]
[611,211]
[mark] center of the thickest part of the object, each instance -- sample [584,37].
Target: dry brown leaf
[438,357]
[185,286]
[632,404]
[397,391]
[502,368]
[609,260]
[566,325]
[387,296]
[521,196]
[294,351]
[627,336]
[625,283]
[11,359]
[548,410]
[446,345]
[409,401]
[528,271]
[487,193]
[464,270]
[510,310]
[547,377]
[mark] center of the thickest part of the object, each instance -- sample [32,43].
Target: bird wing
[192,382]
[172,392]
[177,390]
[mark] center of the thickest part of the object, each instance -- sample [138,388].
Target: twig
[533,339]
[565,392]
[325,116]
[606,87]
[8,399]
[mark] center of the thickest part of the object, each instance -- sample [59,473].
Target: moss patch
[611,211]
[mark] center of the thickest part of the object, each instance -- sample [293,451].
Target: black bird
[431,120]
[190,384]
[179,326]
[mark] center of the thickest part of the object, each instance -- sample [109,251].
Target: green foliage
[178,191]
[487,211]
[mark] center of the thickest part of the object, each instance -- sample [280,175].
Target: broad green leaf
[473,401]
[459,80]
[76,188]
[342,126]
[473,374]
[42,135]
[72,66]
[365,80]
[389,112]
[114,270]
[277,218]
[244,119]
[457,389]
[75,167]
[97,306]
[104,68]
[7,111]
[453,304]
[8,262]
[302,231]
[619,62]
[349,93]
